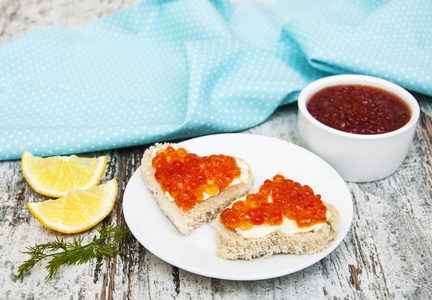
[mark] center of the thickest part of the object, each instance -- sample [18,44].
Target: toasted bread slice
[233,246]
[267,239]
[204,211]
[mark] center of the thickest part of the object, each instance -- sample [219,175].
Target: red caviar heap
[288,198]
[186,176]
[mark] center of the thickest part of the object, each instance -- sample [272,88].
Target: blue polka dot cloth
[166,70]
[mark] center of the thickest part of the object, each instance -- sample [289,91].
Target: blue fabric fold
[164,70]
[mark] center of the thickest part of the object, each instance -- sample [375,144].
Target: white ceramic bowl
[357,157]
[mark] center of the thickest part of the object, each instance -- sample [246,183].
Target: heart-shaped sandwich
[192,190]
[282,216]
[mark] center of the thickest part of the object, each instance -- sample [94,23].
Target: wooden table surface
[386,254]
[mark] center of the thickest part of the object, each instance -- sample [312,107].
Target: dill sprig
[73,253]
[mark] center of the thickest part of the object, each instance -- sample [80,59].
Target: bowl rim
[365,80]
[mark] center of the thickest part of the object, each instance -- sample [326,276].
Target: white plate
[196,252]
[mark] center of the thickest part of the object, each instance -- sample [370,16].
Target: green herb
[73,253]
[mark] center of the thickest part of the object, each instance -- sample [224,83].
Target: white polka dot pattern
[164,70]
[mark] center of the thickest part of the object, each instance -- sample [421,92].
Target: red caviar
[359,109]
[186,176]
[275,199]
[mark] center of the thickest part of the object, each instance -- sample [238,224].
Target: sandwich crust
[204,211]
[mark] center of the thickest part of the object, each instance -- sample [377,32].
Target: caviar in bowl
[361,125]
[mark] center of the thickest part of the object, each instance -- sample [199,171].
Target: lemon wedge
[78,210]
[55,176]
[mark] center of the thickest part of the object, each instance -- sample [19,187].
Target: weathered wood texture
[386,254]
